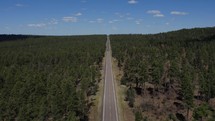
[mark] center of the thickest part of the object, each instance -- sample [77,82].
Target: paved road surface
[110,112]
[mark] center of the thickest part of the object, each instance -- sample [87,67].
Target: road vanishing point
[110,112]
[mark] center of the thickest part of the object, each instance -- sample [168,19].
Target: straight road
[110,112]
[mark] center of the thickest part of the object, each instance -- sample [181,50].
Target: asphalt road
[110,112]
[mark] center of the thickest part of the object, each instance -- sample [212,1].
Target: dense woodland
[12,37]
[173,73]
[49,78]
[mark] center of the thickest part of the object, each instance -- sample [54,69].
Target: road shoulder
[125,113]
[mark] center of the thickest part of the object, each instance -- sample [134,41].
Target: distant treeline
[11,37]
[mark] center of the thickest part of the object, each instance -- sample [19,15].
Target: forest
[49,78]
[169,76]
[12,37]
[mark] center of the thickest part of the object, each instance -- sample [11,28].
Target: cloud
[70,19]
[92,21]
[119,15]
[53,22]
[113,21]
[44,24]
[129,18]
[139,21]
[178,13]
[114,28]
[132,2]
[158,15]
[19,5]
[40,25]
[155,13]
[78,14]
[100,20]
[122,15]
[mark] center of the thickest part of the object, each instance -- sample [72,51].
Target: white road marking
[109,58]
[117,118]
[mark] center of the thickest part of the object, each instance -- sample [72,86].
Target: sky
[81,17]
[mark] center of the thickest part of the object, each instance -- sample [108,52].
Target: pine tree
[186,87]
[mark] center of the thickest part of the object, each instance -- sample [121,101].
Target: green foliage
[49,78]
[172,117]
[201,112]
[145,119]
[186,85]
[138,116]
[131,97]
[184,57]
